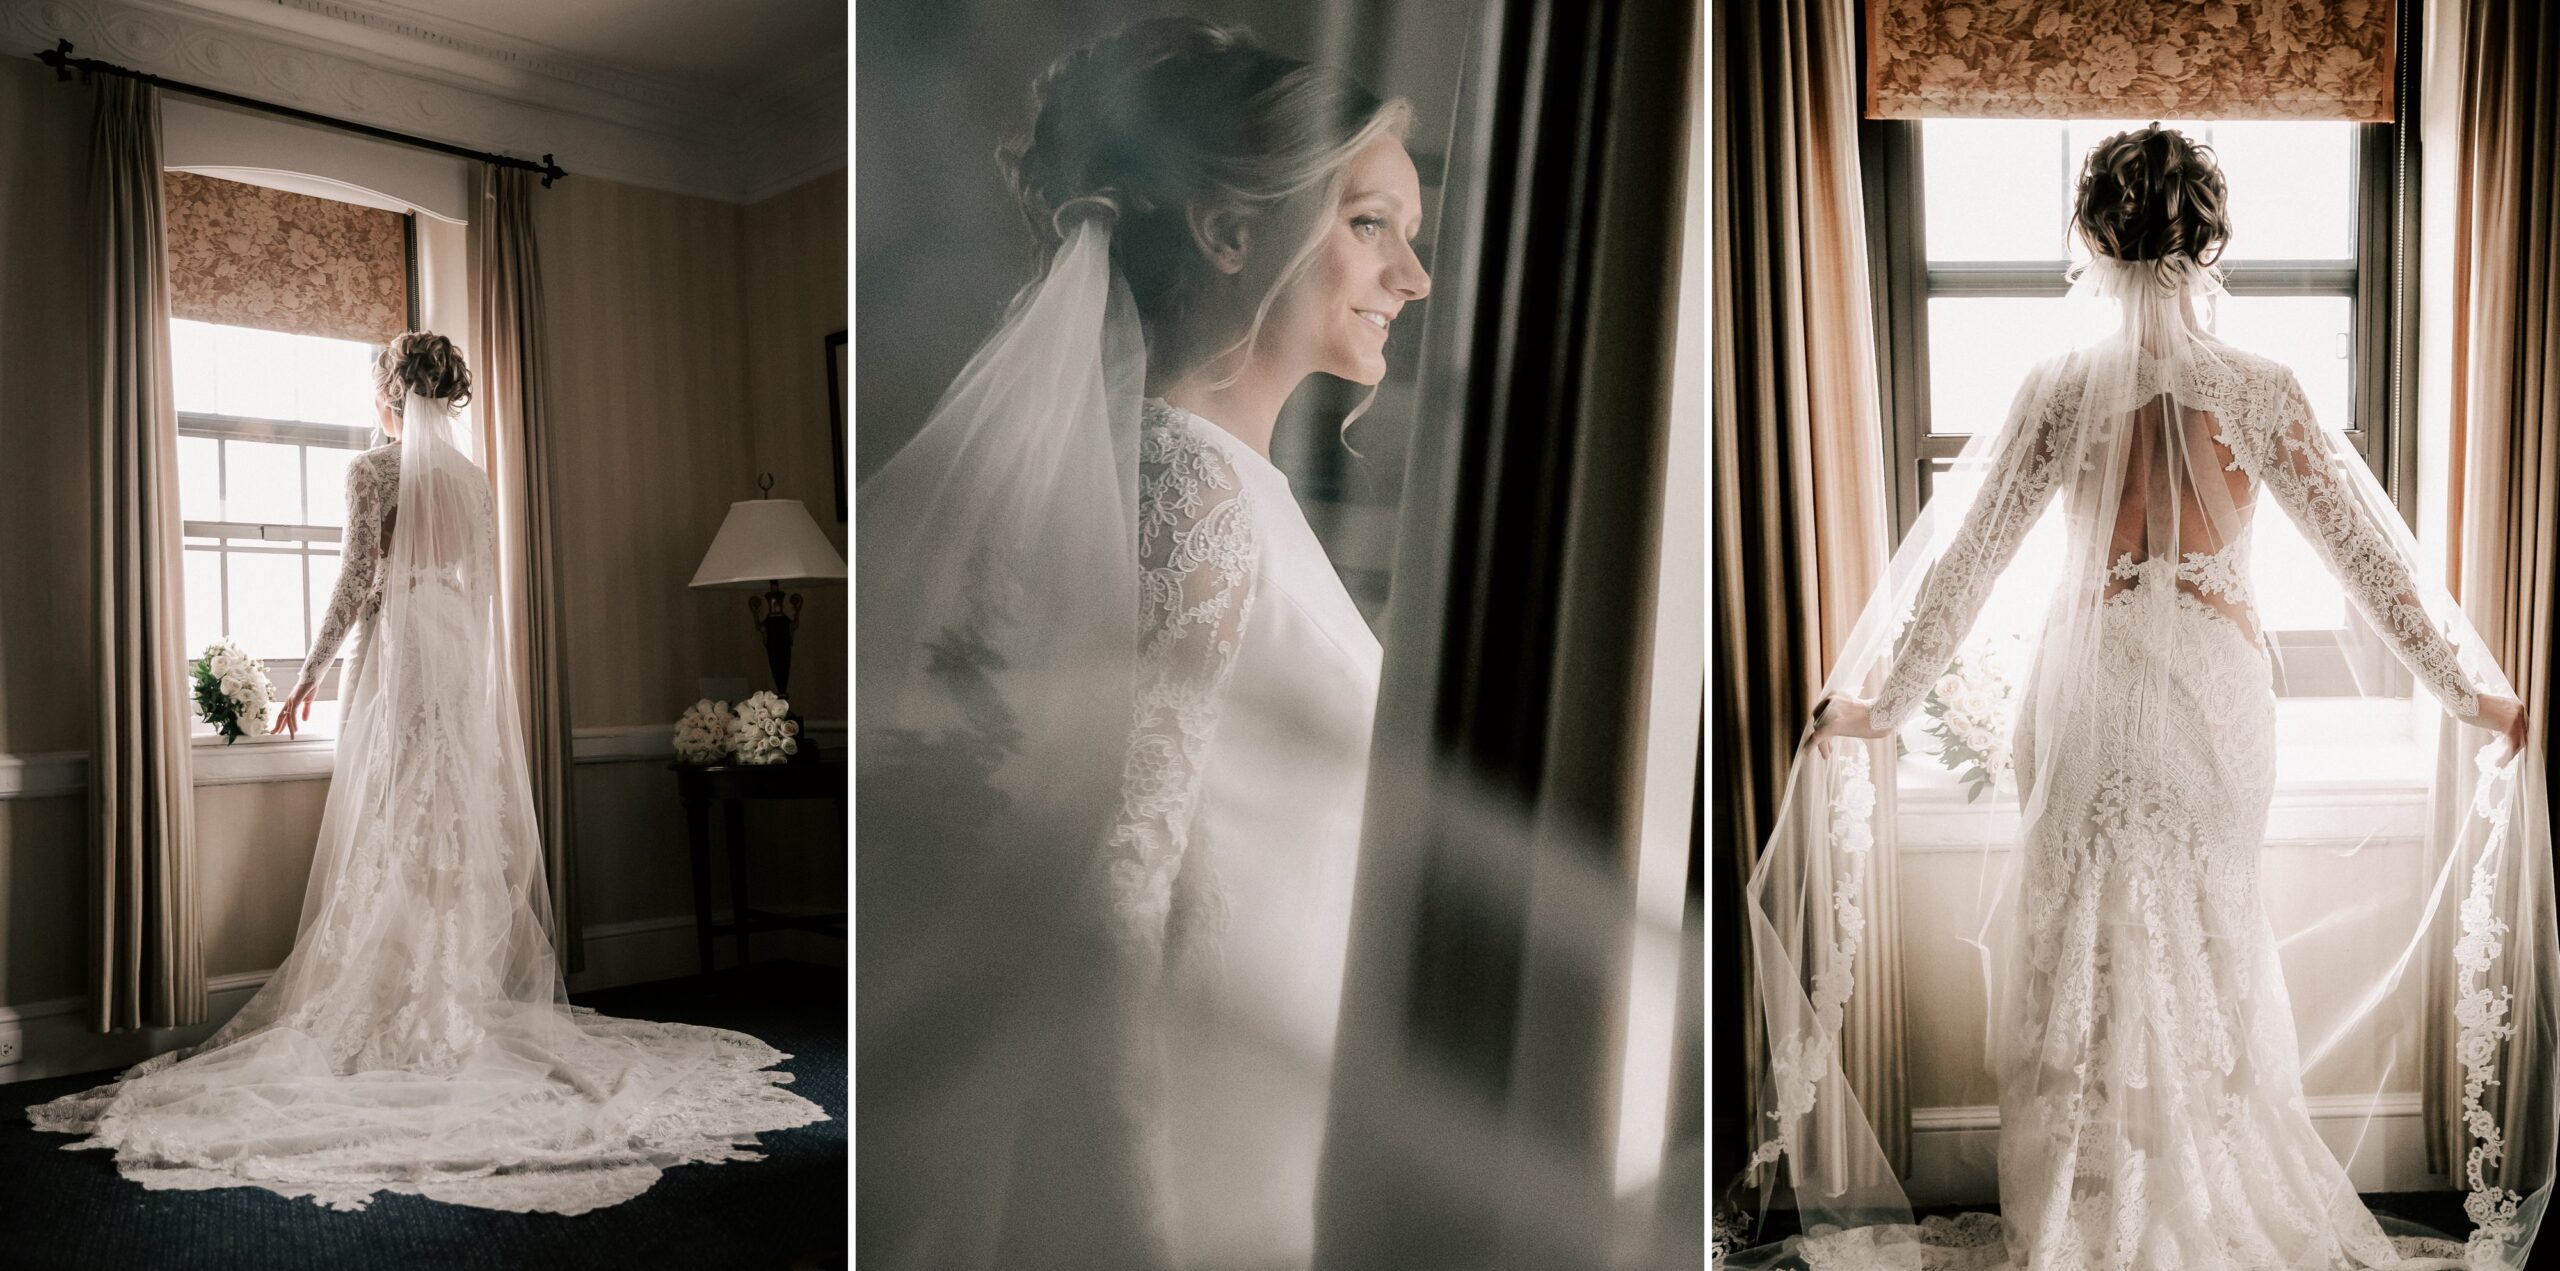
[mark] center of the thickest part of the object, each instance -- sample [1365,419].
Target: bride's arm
[1198,551]
[2014,493]
[368,504]
[2304,466]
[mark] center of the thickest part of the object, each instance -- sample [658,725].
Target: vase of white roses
[764,731]
[232,690]
[702,735]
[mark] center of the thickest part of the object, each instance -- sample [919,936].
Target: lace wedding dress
[1239,830]
[418,1039]
[1112,727]
[2152,1107]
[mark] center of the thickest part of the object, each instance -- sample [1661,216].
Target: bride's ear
[1220,234]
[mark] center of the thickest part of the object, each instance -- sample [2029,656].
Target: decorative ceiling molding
[376,63]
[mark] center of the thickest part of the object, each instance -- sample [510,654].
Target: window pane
[204,598]
[334,382]
[324,579]
[1981,348]
[328,469]
[2292,189]
[266,603]
[193,357]
[262,482]
[2295,589]
[2311,334]
[1995,189]
[254,374]
[199,479]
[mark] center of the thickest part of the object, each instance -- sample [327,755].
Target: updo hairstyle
[424,363]
[1175,116]
[2151,193]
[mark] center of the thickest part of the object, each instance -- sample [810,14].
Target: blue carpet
[72,1211]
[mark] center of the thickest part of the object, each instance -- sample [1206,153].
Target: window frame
[2382,304]
[297,539]
[1904,280]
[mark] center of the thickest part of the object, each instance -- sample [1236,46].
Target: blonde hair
[1173,116]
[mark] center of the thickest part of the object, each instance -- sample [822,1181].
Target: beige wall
[46,681]
[795,298]
[683,341]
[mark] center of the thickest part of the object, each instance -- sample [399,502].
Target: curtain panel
[1797,463]
[2491,119]
[2128,59]
[146,958]
[247,256]
[506,343]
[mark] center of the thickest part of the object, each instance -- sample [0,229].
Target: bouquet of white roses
[1973,709]
[232,692]
[702,736]
[762,731]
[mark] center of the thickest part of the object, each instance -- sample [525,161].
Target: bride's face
[1336,317]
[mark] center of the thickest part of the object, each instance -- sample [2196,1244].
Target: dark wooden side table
[730,785]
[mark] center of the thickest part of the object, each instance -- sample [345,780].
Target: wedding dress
[2150,1062]
[419,1039]
[1112,728]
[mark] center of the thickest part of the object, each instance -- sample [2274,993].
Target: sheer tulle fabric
[1113,730]
[419,1038]
[1006,1069]
[2157,1081]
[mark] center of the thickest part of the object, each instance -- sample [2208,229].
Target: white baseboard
[1955,1150]
[56,1040]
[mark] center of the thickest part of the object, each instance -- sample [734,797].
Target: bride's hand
[286,711]
[2504,716]
[1838,716]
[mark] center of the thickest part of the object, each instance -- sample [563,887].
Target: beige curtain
[2130,59]
[2492,116]
[1800,531]
[506,274]
[146,959]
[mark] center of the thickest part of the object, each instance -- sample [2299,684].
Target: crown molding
[393,67]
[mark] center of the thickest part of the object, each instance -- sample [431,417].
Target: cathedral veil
[2125,669]
[419,1037]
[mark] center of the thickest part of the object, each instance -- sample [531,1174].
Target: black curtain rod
[59,58]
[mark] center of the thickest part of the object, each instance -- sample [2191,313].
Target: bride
[1114,701]
[2161,1097]
[419,1039]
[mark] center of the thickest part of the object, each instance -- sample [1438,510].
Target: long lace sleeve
[1198,549]
[370,494]
[2304,466]
[2014,493]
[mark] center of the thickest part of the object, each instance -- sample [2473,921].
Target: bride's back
[2185,501]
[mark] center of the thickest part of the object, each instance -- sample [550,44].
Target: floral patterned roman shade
[2130,59]
[248,256]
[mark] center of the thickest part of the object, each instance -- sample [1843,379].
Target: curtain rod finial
[550,172]
[59,58]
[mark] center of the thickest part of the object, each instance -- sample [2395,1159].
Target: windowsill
[254,759]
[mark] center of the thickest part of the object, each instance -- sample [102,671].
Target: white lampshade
[768,541]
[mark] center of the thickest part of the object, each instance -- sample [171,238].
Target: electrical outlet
[13,1046]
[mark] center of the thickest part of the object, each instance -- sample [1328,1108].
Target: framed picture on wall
[835,411]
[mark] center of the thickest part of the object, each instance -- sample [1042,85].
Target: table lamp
[764,546]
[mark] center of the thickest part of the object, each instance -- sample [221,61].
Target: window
[267,424]
[1969,223]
